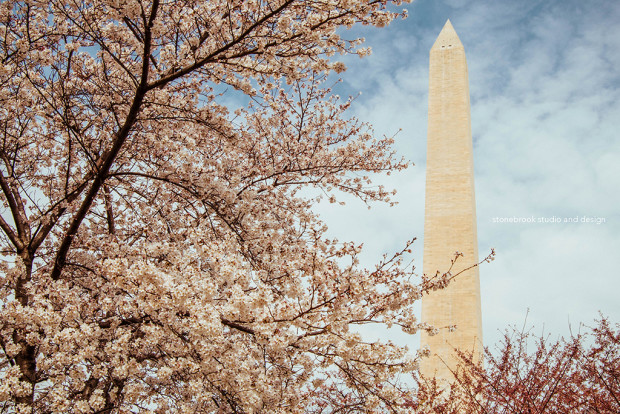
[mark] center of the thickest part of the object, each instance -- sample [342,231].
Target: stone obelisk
[450,216]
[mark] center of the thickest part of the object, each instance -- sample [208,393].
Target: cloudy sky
[545,95]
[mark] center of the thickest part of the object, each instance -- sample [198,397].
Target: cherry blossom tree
[530,374]
[159,164]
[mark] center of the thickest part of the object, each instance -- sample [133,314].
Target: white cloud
[545,101]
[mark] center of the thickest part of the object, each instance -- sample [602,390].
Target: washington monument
[450,216]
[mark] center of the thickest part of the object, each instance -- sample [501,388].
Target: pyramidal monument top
[447,38]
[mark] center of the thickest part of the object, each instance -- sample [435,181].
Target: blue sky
[545,93]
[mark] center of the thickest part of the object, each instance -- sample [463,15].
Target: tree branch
[237,326]
[16,213]
[188,69]
[110,156]
[11,234]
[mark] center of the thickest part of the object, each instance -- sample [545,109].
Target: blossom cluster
[159,251]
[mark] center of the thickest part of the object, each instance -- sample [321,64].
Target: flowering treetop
[158,253]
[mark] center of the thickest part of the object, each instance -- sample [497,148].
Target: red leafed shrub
[530,374]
